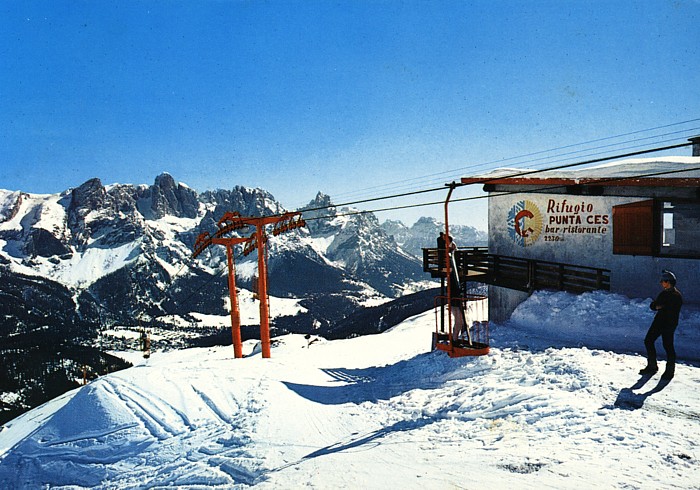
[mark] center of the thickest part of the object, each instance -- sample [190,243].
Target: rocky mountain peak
[84,199]
[426,221]
[165,181]
[171,198]
[321,200]
[90,195]
[247,201]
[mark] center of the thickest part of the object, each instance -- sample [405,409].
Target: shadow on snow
[627,399]
[425,371]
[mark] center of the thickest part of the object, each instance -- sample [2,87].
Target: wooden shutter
[633,228]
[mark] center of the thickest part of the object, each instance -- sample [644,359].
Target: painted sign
[561,218]
[524,223]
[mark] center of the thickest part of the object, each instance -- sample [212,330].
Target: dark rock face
[91,195]
[11,206]
[42,242]
[171,198]
[84,199]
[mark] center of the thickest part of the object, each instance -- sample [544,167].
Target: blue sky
[353,98]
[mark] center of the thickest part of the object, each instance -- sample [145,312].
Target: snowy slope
[379,412]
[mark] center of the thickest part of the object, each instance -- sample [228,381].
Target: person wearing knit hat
[668,276]
[668,307]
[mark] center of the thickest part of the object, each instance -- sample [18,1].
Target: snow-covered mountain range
[95,257]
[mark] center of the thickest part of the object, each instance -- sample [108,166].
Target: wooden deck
[476,264]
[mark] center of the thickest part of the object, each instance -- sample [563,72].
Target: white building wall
[577,230]
[502,303]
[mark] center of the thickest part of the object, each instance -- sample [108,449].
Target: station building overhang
[677,177]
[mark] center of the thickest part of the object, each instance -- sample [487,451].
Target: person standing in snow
[668,307]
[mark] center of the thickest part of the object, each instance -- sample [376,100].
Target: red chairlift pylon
[227,224]
[233,221]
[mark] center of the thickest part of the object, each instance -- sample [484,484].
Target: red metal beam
[233,295]
[234,221]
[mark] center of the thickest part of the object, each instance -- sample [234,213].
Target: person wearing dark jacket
[668,307]
[441,241]
[441,245]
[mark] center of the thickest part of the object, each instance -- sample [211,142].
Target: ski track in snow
[372,412]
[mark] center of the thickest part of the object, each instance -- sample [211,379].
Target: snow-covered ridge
[93,222]
[21,210]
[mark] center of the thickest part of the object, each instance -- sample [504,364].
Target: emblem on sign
[524,223]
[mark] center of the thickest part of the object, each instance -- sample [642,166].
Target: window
[669,233]
[668,228]
[681,229]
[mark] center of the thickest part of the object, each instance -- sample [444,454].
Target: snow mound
[599,319]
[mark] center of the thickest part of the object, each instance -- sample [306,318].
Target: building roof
[638,172]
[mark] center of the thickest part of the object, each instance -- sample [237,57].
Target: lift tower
[232,221]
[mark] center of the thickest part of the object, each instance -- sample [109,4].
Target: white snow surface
[82,269]
[382,411]
[249,309]
[657,167]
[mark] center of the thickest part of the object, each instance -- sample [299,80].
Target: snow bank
[598,320]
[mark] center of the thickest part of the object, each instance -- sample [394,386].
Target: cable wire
[522,174]
[540,152]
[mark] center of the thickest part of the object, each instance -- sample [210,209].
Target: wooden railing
[476,264]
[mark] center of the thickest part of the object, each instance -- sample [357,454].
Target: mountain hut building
[613,227]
